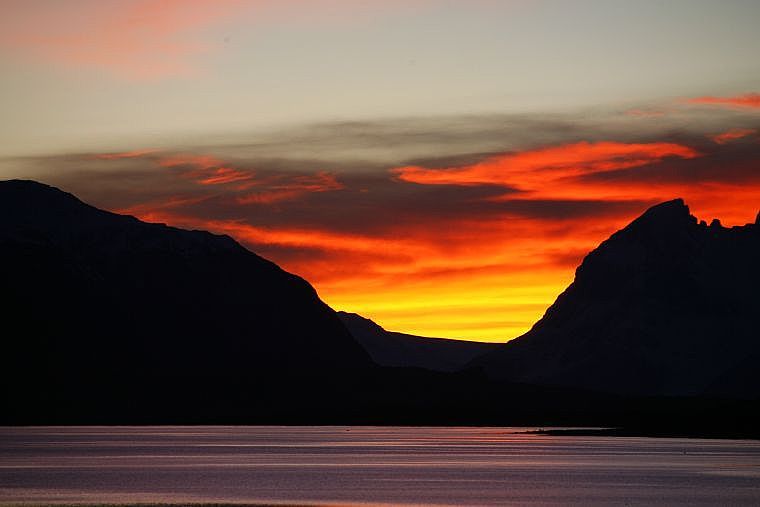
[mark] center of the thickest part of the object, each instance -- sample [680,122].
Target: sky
[441,167]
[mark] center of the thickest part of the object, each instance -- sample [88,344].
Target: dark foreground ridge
[100,307]
[110,320]
[666,306]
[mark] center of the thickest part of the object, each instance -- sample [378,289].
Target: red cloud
[731,135]
[534,168]
[749,100]
[207,170]
[221,175]
[293,188]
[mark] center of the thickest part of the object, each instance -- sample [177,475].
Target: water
[372,465]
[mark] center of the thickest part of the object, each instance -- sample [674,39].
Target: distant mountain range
[107,319]
[666,306]
[388,348]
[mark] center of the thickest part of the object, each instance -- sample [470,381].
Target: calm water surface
[371,465]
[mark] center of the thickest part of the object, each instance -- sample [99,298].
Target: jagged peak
[672,207]
[673,212]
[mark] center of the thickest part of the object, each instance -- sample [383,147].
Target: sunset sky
[438,166]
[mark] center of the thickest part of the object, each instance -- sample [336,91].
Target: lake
[369,465]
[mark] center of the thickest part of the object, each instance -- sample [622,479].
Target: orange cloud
[165,211]
[293,188]
[732,135]
[577,172]
[221,175]
[534,168]
[748,100]
[207,170]
[161,211]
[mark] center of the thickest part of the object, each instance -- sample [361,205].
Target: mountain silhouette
[110,320]
[92,298]
[666,306]
[388,348]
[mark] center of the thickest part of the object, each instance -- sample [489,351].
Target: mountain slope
[388,348]
[92,298]
[666,306]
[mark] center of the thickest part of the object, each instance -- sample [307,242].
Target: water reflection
[377,465]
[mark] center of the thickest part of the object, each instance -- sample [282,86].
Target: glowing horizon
[483,266]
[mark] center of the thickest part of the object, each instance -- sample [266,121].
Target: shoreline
[645,433]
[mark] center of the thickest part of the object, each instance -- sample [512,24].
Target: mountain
[95,304]
[388,348]
[105,319]
[109,320]
[666,306]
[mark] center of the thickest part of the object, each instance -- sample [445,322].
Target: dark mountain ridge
[109,320]
[389,348]
[666,306]
[89,294]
